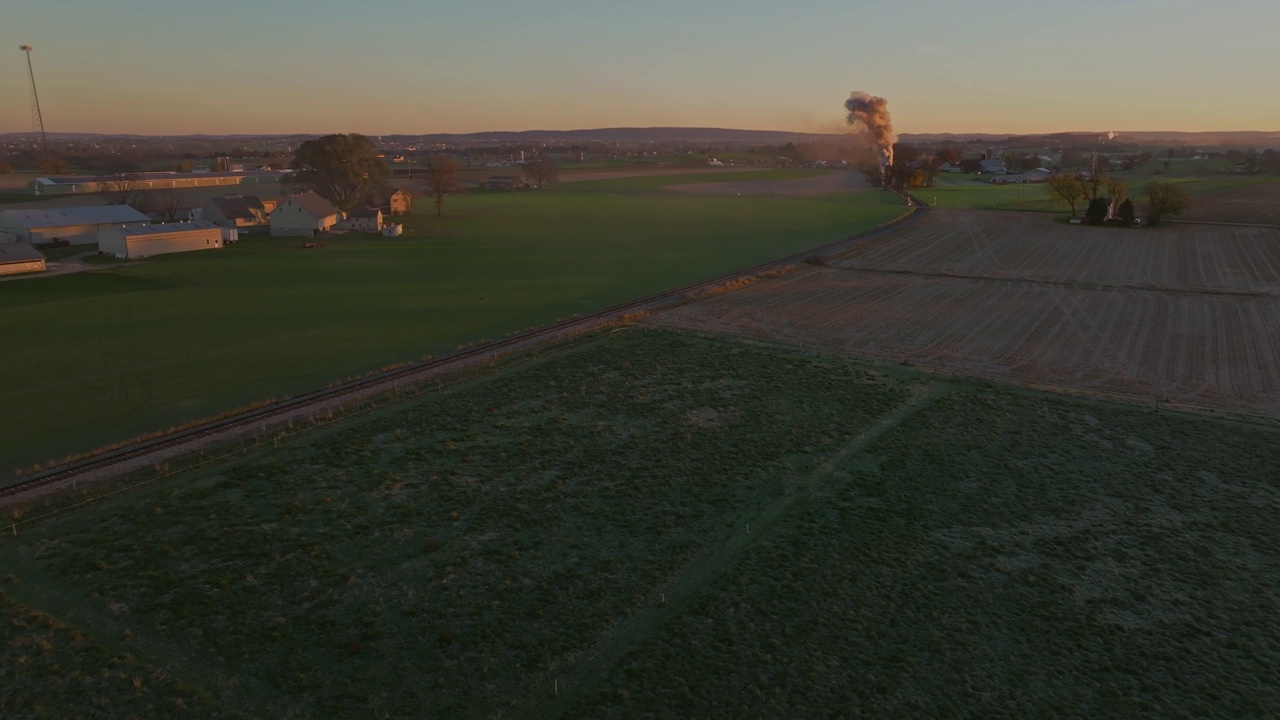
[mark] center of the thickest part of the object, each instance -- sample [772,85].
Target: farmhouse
[400,203]
[16,258]
[363,220]
[503,182]
[134,242]
[76,225]
[304,215]
[239,211]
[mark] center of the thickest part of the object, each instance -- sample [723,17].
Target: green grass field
[654,524]
[139,347]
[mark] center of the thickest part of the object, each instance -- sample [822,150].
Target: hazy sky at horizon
[405,66]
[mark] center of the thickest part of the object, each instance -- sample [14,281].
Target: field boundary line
[686,585]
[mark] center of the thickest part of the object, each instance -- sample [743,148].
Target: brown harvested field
[1036,247]
[825,184]
[1188,315]
[1257,203]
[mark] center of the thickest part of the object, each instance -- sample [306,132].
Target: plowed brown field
[1188,314]
[1254,203]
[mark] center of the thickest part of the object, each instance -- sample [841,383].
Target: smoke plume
[873,113]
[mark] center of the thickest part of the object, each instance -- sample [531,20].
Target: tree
[950,154]
[168,203]
[121,187]
[542,170]
[343,169]
[1065,190]
[929,165]
[1125,212]
[1096,213]
[1165,199]
[442,179]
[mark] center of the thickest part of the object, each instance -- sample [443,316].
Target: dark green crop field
[654,524]
[133,348]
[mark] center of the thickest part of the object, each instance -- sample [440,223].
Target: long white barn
[75,185]
[76,225]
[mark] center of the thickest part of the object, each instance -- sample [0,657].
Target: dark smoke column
[873,113]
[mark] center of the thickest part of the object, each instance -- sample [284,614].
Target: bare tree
[542,170]
[120,188]
[168,203]
[1065,190]
[929,165]
[442,179]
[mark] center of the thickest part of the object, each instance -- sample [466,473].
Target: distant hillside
[729,135]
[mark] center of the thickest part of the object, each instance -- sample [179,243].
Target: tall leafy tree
[1164,199]
[343,169]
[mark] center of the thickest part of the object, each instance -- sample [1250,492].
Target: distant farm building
[400,203]
[74,185]
[240,211]
[363,220]
[393,230]
[993,167]
[304,215]
[1038,175]
[75,225]
[134,242]
[503,182]
[18,258]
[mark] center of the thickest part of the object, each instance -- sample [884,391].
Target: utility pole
[37,120]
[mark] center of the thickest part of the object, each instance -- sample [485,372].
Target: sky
[408,66]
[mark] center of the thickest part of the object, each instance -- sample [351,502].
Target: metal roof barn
[76,225]
[133,242]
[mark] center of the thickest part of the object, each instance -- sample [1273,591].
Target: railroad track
[266,416]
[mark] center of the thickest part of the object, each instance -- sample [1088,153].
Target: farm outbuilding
[304,215]
[503,182]
[393,230]
[76,225]
[149,240]
[17,258]
[240,211]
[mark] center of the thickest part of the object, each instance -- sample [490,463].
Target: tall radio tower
[37,120]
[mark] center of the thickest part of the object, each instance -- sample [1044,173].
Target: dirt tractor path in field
[567,685]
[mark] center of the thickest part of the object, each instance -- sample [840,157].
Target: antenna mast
[37,120]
